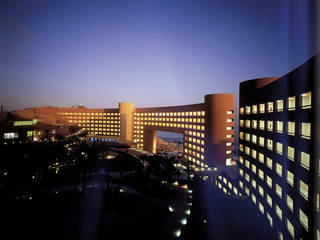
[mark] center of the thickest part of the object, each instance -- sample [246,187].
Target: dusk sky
[151,53]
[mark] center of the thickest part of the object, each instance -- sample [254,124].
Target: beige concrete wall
[126,122]
[150,139]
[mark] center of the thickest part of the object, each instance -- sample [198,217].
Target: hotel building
[278,158]
[207,128]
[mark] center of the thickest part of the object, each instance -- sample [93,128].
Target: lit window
[270,219]
[305,130]
[253,197]
[261,141]
[241,123]
[279,190]
[290,202]
[253,168]
[229,112]
[261,157]
[261,124]
[254,153]
[279,126]
[291,103]
[279,105]
[290,153]
[290,228]
[247,191]
[253,183]
[269,162]
[261,174]
[270,106]
[247,150]
[247,177]
[303,219]
[306,100]
[248,110]
[279,169]
[291,128]
[269,181]
[254,109]
[254,139]
[254,124]
[241,147]
[303,189]
[241,110]
[305,160]
[290,177]
[261,191]
[270,126]
[262,108]
[247,137]
[261,208]
[279,212]
[269,200]
[279,148]
[248,123]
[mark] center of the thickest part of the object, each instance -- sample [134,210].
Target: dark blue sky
[151,53]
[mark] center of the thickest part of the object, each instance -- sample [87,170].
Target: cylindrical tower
[219,121]
[126,122]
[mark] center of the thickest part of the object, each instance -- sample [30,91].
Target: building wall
[277,166]
[98,122]
[207,127]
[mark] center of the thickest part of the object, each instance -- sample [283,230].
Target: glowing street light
[184,221]
[185,186]
[177,233]
[171,209]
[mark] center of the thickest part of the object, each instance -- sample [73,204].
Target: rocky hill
[163,146]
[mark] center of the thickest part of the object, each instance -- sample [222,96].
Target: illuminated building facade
[207,127]
[97,122]
[278,164]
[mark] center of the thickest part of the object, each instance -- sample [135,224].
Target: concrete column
[126,122]
[150,141]
[216,107]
